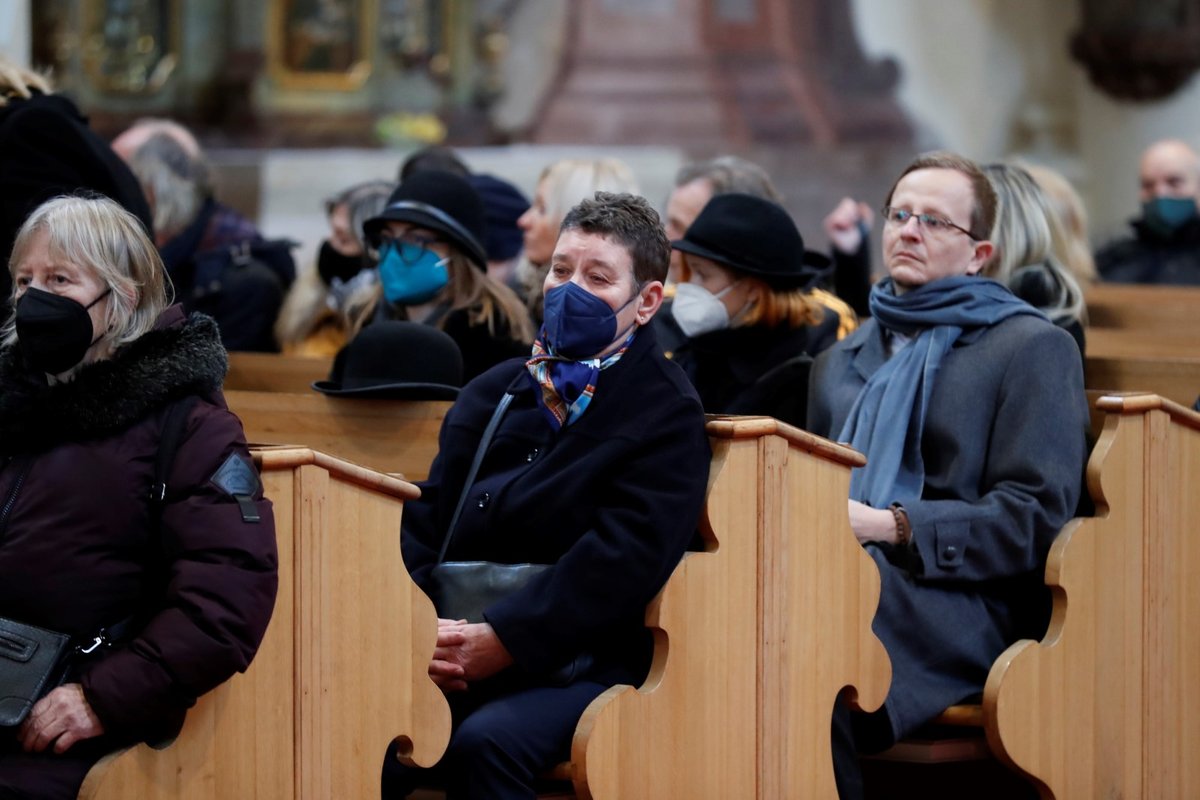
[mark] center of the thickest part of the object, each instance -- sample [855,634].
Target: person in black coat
[47,150]
[433,269]
[1165,245]
[744,305]
[598,468]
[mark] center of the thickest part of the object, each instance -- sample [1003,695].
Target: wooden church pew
[391,436]
[341,671]
[272,372]
[1105,705]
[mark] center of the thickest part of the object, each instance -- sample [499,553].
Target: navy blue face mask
[578,324]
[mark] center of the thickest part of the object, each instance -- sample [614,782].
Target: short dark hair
[983,213]
[630,221]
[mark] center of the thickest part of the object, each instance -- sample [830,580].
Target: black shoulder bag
[463,589]
[34,660]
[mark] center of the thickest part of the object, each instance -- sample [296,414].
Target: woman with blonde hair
[155,574]
[745,306]
[432,269]
[1068,222]
[46,150]
[313,321]
[1026,257]
[562,185]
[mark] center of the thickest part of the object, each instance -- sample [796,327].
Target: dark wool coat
[1151,257]
[611,501]
[47,149]
[78,551]
[1004,448]
[756,370]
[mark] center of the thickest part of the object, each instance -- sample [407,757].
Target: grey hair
[728,174]
[1023,239]
[176,181]
[97,234]
[363,201]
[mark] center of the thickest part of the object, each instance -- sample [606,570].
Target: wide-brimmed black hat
[399,360]
[442,202]
[755,237]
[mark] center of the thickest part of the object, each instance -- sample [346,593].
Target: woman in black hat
[432,270]
[744,304]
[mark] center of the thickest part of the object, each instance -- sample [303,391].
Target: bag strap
[480,451]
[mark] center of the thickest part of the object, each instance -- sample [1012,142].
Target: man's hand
[62,717]
[466,652]
[872,524]
[846,223]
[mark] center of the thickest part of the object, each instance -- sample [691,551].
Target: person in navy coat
[970,408]
[598,468]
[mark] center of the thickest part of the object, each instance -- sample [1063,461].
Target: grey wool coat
[1004,445]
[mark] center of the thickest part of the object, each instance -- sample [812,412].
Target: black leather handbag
[32,661]
[463,589]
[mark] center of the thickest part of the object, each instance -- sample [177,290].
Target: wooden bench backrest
[391,436]
[755,636]
[1173,310]
[1108,704]
[341,671]
[271,372]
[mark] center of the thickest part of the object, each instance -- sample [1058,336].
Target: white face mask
[698,310]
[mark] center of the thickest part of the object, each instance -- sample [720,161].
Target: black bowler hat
[442,202]
[754,237]
[398,360]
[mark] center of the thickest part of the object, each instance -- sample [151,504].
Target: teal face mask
[410,274]
[1166,215]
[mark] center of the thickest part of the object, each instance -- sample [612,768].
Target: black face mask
[332,264]
[54,332]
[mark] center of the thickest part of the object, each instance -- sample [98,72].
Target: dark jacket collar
[749,352]
[179,357]
[1186,234]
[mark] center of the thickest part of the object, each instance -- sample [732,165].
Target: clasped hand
[62,717]
[466,651]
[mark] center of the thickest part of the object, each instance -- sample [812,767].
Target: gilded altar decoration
[130,46]
[321,44]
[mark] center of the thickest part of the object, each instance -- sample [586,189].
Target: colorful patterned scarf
[565,387]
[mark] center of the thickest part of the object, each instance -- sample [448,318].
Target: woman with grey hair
[314,320]
[135,538]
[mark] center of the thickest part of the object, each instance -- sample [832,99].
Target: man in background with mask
[598,468]
[1165,246]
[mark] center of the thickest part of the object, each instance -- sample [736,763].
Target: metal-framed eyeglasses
[930,223]
[421,243]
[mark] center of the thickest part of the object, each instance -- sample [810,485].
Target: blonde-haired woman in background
[1068,223]
[1026,257]
[561,186]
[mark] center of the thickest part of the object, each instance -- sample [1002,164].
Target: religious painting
[130,46]
[321,44]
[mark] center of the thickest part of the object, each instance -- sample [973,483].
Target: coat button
[950,552]
[531,455]
[484,499]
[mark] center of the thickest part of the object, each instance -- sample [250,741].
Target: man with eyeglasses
[970,408]
[1165,245]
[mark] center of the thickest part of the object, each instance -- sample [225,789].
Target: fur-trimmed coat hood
[181,356]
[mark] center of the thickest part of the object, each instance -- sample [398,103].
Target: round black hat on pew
[396,360]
